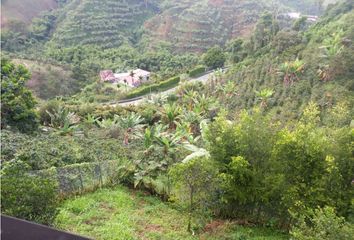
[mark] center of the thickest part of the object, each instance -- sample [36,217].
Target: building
[132,78]
[107,76]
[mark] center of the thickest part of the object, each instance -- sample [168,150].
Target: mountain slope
[198,25]
[316,65]
[104,23]
[24,10]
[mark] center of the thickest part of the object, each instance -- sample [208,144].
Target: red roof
[107,75]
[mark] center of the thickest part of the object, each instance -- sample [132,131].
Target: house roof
[107,75]
[140,72]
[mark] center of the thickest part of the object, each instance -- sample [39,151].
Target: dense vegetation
[266,142]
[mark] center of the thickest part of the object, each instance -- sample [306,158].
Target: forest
[261,149]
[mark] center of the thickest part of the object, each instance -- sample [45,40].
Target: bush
[49,106]
[27,196]
[214,58]
[323,224]
[164,85]
[197,71]
[17,102]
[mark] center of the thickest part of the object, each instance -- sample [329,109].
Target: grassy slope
[49,80]
[24,10]
[125,214]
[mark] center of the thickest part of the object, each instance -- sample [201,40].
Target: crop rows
[101,22]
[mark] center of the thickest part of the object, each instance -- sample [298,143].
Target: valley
[161,119]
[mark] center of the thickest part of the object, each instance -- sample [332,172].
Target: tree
[17,102]
[193,182]
[214,57]
[266,28]
[236,51]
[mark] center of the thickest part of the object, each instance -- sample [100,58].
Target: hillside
[48,80]
[198,25]
[24,10]
[104,23]
[259,147]
[316,65]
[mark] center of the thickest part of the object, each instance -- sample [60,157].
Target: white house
[132,78]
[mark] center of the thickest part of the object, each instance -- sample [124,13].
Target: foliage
[193,181]
[236,50]
[52,150]
[214,58]
[291,71]
[197,71]
[266,28]
[113,214]
[17,103]
[27,196]
[266,172]
[161,86]
[323,224]
[264,95]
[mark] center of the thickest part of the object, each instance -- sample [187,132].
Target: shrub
[49,106]
[214,58]
[197,71]
[154,87]
[27,196]
[323,224]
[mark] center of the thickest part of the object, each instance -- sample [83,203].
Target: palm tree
[264,95]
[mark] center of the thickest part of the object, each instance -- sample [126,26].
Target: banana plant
[61,117]
[291,71]
[333,45]
[150,134]
[264,96]
[196,152]
[171,113]
[106,123]
[131,125]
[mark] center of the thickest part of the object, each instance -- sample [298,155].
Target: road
[136,101]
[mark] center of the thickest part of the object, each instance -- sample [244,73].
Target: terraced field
[197,26]
[104,23]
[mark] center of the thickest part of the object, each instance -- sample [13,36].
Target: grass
[120,213]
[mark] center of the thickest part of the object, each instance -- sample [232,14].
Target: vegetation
[124,214]
[161,86]
[214,58]
[324,225]
[266,142]
[17,103]
[26,196]
[197,71]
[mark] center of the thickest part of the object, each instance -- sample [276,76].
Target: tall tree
[17,102]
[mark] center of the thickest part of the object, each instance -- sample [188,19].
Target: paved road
[136,101]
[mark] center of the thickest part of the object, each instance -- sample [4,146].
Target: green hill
[104,23]
[316,65]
